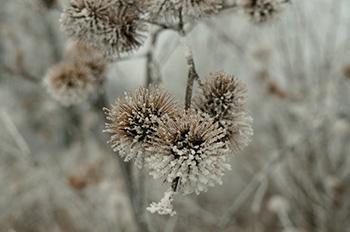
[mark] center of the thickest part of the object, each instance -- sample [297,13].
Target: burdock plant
[187,149]
[134,120]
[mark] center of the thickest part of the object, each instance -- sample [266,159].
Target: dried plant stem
[130,186]
[14,132]
[192,76]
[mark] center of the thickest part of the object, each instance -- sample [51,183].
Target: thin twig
[16,135]
[125,167]
[192,76]
[192,73]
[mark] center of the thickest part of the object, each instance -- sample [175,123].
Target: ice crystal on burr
[223,98]
[113,26]
[134,120]
[189,153]
[165,206]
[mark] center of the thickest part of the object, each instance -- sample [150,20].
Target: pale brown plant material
[69,83]
[113,26]
[223,98]
[134,120]
[189,153]
[83,54]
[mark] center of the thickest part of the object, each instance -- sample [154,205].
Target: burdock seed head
[69,83]
[133,121]
[189,153]
[113,26]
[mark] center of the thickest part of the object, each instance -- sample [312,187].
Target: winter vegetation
[174,115]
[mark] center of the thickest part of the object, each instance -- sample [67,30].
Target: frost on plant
[165,206]
[113,26]
[189,153]
[187,149]
[223,98]
[134,120]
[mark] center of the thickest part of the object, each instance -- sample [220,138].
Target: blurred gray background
[55,174]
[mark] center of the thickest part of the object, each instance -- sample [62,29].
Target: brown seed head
[83,54]
[189,153]
[133,120]
[113,26]
[223,99]
[69,83]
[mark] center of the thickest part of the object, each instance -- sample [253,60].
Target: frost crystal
[133,121]
[189,153]
[165,206]
[69,83]
[112,26]
[223,99]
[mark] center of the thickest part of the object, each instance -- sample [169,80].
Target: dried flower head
[221,95]
[113,26]
[262,10]
[189,153]
[69,83]
[223,99]
[187,8]
[133,121]
[77,52]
